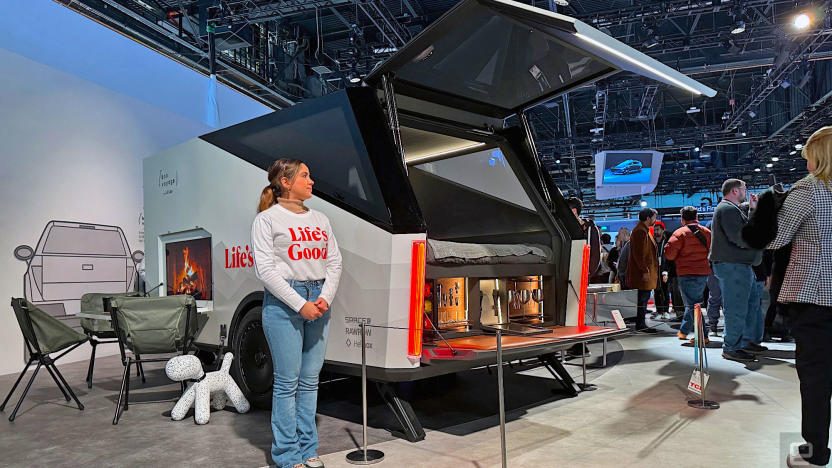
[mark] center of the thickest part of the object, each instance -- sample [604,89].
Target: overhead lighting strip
[635,62]
[433,156]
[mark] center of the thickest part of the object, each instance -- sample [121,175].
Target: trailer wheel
[252,366]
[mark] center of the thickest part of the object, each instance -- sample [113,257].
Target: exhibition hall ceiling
[769,61]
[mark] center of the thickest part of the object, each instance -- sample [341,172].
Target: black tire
[252,367]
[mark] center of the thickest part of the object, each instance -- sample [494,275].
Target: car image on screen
[630,166]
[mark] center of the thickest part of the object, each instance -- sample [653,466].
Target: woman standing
[805,220]
[297,259]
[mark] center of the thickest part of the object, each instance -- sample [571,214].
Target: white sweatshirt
[295,246]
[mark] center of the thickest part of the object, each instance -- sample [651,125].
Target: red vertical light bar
[417,300]
[584,285]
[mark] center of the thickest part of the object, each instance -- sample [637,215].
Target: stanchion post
[500,396]
[585,387]
[364,456]
[702,402]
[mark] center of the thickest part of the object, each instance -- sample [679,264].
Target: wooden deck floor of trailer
[489,342]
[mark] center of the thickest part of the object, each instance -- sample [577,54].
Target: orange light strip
[584,286]
[417,300]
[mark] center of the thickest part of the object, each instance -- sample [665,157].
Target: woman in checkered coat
[805,220]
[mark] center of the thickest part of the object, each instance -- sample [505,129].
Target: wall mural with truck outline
[74,258]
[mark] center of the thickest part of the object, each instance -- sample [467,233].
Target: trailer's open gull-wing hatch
[498,57]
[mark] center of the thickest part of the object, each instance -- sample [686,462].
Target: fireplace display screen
[188,268]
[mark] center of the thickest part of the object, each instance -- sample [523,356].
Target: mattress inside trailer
[465,253]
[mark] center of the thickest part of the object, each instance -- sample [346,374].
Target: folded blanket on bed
[461,252]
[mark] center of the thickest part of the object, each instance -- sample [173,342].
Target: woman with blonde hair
[297,259]
[805,220]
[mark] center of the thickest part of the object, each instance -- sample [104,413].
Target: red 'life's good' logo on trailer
[238,257]
[307,234]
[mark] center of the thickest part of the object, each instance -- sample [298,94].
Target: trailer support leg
[560,374]
[412,430]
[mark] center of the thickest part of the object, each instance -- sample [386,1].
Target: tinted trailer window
[344,139]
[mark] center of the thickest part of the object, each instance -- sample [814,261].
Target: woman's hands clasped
[310,311]
[314,310]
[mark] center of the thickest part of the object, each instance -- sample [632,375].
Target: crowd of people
[772,257]
[692,265]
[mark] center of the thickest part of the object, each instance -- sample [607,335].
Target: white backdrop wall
[80,107]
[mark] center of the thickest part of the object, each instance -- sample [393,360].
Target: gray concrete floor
[637,417]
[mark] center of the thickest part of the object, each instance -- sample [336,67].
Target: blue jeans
[738,304]
[692,288]
[714,301]
[298,347]
[756,312]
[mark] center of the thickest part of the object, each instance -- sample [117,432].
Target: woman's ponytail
[267,199]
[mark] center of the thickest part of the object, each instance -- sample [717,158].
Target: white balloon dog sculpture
[216,388]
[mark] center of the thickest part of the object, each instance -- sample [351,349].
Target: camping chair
[100,331]
[150,325]
[43,335]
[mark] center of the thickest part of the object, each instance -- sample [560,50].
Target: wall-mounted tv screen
[628,168]
[188,268]
[622,173]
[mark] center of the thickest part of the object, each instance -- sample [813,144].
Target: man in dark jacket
[759,232]
[733,258]
[661,295]
[689,247]
[643,265]
[623,263]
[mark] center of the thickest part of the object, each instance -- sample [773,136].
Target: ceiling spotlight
[793,169]
[775,158]
[802,21]
[697,149]
[561,3]
[693,110]
[756,169]
[752,114]
[769,165]
[798,146]
[739,27]
[557,161]
[792,153]
[643,203]
[353,76]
